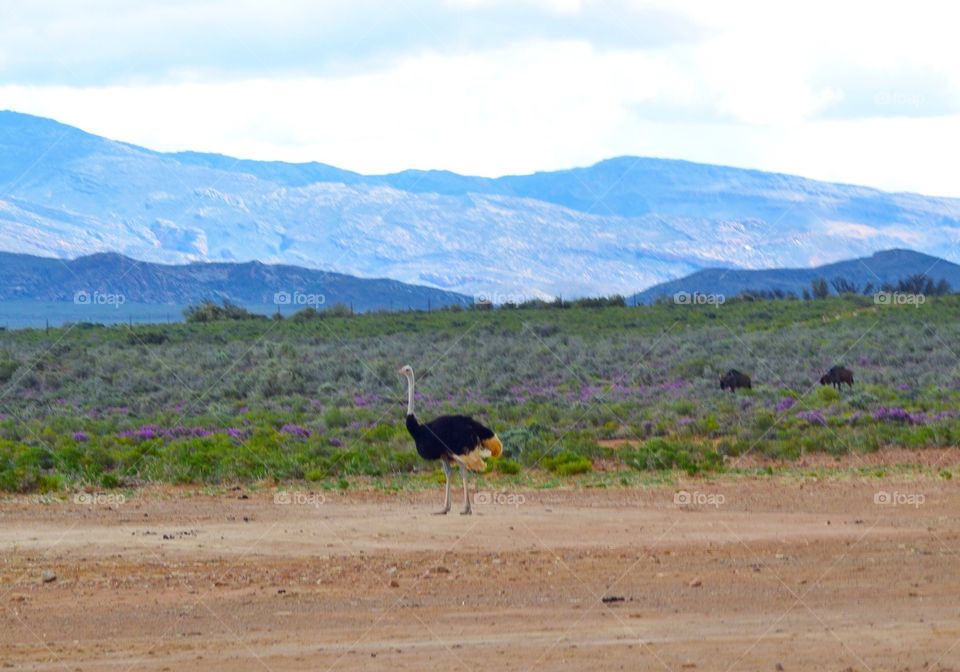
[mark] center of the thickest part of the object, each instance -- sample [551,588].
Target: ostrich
[457,438]
[836,376]
[733,379]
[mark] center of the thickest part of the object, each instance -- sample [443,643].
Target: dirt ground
[730,574]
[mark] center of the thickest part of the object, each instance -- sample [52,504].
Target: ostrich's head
[406,371]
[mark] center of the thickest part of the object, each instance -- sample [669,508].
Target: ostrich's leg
[466,492]
[446,499]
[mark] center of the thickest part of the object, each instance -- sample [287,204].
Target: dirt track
[808,575]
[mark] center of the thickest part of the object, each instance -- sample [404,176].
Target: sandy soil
[733,574]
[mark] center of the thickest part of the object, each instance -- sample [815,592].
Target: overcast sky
[867,93]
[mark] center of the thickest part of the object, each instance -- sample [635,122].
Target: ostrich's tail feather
[472,460]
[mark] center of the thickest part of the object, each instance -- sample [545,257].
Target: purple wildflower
[785,404]
[80,437]
[522,393]
[589,392]
[813,417]
[674,385]
[363,400]
[620,392]
[895,414]
[295,430]
[147,432]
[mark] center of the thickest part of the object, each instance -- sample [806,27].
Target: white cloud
[100,42]
[856,92]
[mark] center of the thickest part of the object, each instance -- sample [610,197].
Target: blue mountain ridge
[619,226]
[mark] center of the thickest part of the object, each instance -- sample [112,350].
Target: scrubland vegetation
[599,391]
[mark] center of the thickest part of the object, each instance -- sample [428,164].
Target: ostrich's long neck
[410,394]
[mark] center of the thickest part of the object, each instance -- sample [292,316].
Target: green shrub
[7,368]
[862,400]
[567,463]
[335,418]
[827,394]
[503,465]
[146,337]
[50,483]
[662,454]
[110,481]
[523,443]
[208,311]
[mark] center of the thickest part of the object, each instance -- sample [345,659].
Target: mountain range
[86,279]
[619,226]
[887,267]
[43,279]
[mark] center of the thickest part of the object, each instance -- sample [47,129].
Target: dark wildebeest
[837,376]
[733,379]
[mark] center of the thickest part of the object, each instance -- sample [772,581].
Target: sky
[858,92]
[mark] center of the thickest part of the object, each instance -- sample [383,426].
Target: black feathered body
[837,376]
[733,379]
[448,435]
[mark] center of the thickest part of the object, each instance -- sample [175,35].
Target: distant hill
[888,266]
[29,278]
[617,226]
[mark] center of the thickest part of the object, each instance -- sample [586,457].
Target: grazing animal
[733,379]
[451,438]
[837,376]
